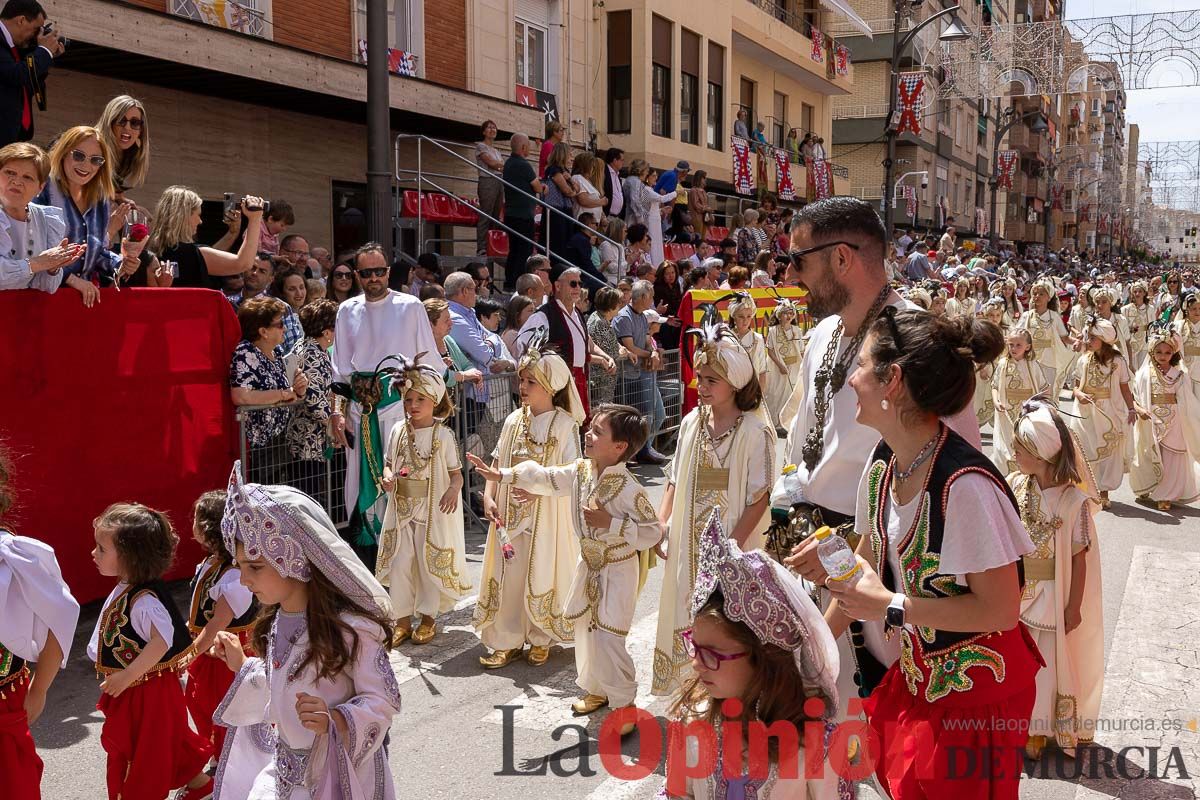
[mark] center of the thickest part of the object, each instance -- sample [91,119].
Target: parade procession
[826,430]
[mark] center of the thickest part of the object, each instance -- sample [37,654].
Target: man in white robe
[370,327]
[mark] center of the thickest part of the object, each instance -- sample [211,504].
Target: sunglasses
[797,256]
[133,123]
[372,272]
[78,156]
[710,658]
[574,284]
[342,273]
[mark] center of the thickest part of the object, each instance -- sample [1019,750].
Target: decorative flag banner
[1104,221]
[1085,212]
[760,167]
[910,201]
[1056,196]
[910,86]
[743,181]
[842,60]
[1006,165]
[980,220]
[818,48]
[783,176]
[822,178]
[400,62]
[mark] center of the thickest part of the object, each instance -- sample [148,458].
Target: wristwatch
[894,617]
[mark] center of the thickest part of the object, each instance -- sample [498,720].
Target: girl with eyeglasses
[343,284]
[81,186]
[125,130]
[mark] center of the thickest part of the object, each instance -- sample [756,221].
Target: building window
[806,119]
[715,99]
[531,55]
[689,87]
[746,91]
[252,17]
[779,123]
[660,78]
[620,72]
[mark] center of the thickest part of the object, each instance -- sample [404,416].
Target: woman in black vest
[940,553]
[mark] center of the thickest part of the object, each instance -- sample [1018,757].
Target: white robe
[522,599]
[270,755]
[365,333]
[34,600]
[1052,353]
[605,588]
[1102,425]
[422,552]
[1138,320]
[788,347]
[1013,382]
[1166,447]
[731,475]
[1191,350]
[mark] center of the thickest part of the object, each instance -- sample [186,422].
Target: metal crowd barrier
[479,416]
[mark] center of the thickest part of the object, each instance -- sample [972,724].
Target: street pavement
[467,733]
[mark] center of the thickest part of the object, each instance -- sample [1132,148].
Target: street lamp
[1039,127]
[955,32]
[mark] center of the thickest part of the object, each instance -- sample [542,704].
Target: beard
[826,295]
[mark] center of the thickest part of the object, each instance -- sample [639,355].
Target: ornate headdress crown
[718,348]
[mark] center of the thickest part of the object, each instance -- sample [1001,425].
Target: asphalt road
[467,733]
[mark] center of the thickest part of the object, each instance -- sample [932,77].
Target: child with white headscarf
[1104,406]
[1167,434]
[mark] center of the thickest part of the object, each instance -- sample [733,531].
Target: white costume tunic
[1101,425]
[522,599]
[605,589]
[1122,343]
[1013,383]
[1047,330]
[1167,446]
[422,553]
[1190,334]
[754,344]
[985,409]
[788,346]
[269,755]
[366,333]
[1059,520]
[1138,319]
[731,472]
[34,600]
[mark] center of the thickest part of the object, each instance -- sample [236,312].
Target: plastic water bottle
[787,490]
[836,556]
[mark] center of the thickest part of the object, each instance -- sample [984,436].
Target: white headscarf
[552,373]
[720,351]
[1102,328]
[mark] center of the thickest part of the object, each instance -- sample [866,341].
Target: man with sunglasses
[838,247]
[370,328]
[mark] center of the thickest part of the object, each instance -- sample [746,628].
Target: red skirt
[151,749]
[19,762]
[581,383]
[209,679]
[967,745]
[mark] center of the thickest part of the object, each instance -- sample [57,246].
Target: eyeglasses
[277,324]
[710,658]
[342,273]
[78,156]
[133,123]
[372,272]
[574,284]
[797,256]
[299,253]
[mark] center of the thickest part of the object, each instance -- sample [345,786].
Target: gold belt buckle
[1018,396]
[1101,394]
[1191,350]
[1038,569]
[1168,399]
[712,479]
[411,487]
[790,359]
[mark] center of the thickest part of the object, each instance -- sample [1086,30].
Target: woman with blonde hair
[588,199]
[612,259]
[175,221]
[561,195]
[125,129]
[81,186]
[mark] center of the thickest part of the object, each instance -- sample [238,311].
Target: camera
[925,183]
[234,201]
[48,28]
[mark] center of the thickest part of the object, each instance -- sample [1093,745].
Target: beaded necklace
[28,235]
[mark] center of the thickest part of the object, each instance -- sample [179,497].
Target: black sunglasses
[372,272]
[797,256]
[341,273]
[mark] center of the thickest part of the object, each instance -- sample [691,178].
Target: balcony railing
[867,111]
[797,22]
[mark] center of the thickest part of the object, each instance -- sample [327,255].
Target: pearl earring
[884,405]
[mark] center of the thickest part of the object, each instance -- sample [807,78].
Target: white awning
[843,7]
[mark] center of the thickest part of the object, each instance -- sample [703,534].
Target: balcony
[879,47]
[769,33]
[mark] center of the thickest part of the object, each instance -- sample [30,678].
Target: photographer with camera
[175,221]
[32,46]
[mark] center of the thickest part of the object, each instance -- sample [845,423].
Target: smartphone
[231,202]
[292,363]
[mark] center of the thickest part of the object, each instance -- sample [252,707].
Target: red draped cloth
[20,765]
[127,400]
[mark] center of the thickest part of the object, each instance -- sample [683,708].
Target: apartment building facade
[671,75]
[954,146]
[269,96]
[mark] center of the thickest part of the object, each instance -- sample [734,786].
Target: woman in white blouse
[33,247]
[645,206]
[586,171]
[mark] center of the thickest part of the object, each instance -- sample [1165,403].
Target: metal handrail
[421,178]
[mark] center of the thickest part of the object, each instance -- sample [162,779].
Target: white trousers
[604,665]
[412,588]
[513,626]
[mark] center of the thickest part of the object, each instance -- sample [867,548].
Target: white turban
[727,358]
[1103,329]
[553,375]
[1037,431]
[426,382]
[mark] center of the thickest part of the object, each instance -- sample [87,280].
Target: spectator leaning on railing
[458,368]
[125,129]
[176,219]
[33,249]
[308,430]
[81,187]
[638,385]
[491,191]
[601,383]
[257,375]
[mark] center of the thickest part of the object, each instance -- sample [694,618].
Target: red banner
[783,176]
[743,179]
[843,60]
[1006,166]
[1056,196]
[910,201]
[910,86]
[818,44]
[125,401]
[690,313]
[822,178]
[1085,212]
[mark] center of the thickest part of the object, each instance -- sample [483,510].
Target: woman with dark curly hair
[307,432]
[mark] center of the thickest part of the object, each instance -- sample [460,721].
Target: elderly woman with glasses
[33,249]
[81,186]
[258,375]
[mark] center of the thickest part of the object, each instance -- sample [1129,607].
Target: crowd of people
[1082,368]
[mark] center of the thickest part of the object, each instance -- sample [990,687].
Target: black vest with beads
[920,548]
[558,331]
[12,667]
[203,606]
[120,644]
